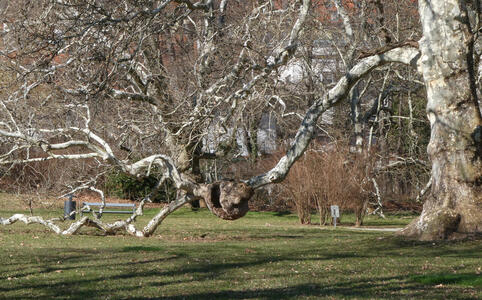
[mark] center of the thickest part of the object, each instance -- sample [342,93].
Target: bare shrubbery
[330,175]
[46,177]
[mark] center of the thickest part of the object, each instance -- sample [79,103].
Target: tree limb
[405,55]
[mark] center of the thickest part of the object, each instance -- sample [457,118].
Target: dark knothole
[215,194]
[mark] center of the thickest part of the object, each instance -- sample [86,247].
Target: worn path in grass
[383,229]
[194,255]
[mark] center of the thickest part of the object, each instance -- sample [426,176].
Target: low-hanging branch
[192,190]
[405,55]
[227,200]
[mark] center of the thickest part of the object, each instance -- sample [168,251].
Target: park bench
[88,207]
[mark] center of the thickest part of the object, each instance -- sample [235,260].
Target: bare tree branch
[406,55]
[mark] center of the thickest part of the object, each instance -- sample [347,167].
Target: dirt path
[387,229]
[382,229]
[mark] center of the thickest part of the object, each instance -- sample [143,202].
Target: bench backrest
[109,204]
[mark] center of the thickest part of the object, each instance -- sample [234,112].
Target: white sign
[335,213]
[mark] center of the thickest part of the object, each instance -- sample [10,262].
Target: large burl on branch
[228,199]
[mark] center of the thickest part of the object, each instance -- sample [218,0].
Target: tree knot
[228,200]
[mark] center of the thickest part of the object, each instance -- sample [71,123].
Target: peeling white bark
[455,203]
[424,190]
[379,204]
[73,228]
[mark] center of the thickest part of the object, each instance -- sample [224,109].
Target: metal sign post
[335,213]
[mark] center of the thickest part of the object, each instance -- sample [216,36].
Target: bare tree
[165,70]
[140,84]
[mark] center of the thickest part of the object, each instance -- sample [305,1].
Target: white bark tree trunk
[455,204]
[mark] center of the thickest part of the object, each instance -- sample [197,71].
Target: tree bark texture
[454,207]
[228,200]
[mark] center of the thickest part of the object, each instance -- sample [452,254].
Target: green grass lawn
[194,255]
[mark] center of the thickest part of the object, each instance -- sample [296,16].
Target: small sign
[335,213]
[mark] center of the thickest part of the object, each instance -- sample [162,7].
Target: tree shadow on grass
[282,213]
[384,287]
[54,263]
[142,248]
[126,284]
[356,289]
[207,267]
[202,271]
[396,244]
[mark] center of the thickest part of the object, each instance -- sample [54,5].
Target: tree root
[440,224]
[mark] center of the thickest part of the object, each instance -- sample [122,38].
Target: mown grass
[194,255]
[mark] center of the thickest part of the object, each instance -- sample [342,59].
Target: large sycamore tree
[449,65]
[140,86]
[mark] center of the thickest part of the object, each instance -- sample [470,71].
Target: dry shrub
[330,175]
[269,198]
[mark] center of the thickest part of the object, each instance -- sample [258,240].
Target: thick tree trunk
[454,208]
